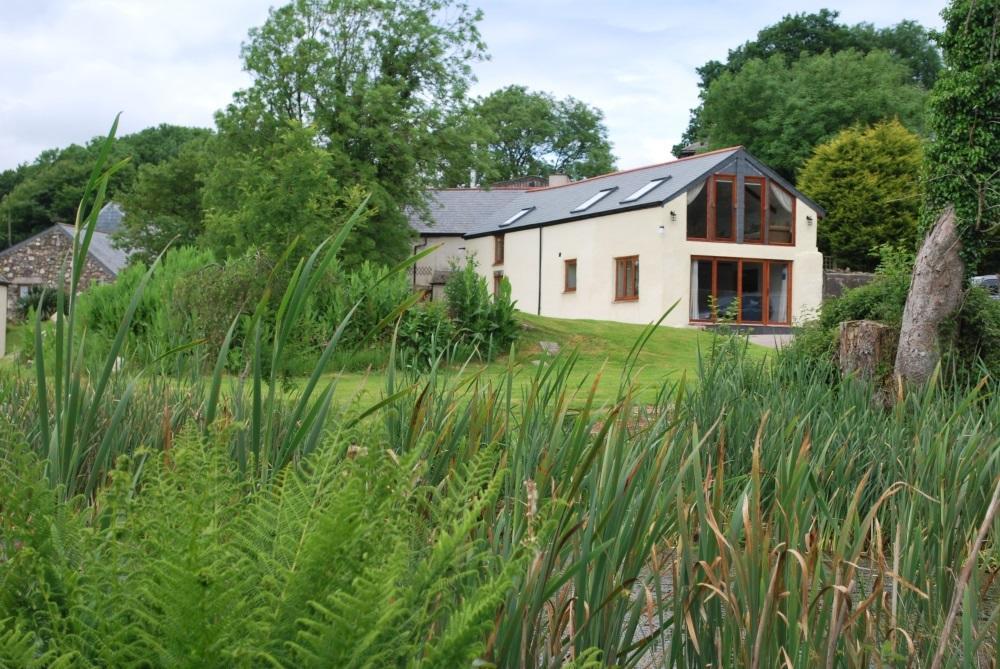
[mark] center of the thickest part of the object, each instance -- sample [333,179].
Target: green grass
[671,354]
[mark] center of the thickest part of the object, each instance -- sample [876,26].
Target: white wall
[450,248]
[664,264]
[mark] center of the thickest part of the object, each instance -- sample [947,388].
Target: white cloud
[70,65]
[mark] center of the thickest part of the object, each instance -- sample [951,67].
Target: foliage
[379,81]
[868,180]
[45,301]
[485,323]
[965,148]
[47,191]
[779,109]
[811,34]
[525,133]
[281,193]
[342,562]
[427,334]
[164,206]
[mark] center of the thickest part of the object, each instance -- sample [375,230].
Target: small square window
[569,283]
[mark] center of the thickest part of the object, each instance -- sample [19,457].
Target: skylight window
[516,217]
[638,195]
[594,199]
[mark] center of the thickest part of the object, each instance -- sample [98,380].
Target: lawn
[602,348]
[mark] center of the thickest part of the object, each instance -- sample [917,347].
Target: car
[990,282]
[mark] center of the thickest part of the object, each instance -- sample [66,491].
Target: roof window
[516,217]
[639,194]
[594,199]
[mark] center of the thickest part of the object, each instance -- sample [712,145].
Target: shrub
[426,334]
[41,299]
[486,323]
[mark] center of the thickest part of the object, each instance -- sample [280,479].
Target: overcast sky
[67,66]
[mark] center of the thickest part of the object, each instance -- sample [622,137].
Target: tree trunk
[935,293]
[866,349]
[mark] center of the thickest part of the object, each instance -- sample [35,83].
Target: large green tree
[284,192]
[380,80]
[780,110]
[962,210]
[164,205]
[868,180]
[519,132]
[810,34]
[48,190]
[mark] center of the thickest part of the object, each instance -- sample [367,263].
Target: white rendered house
[713,235]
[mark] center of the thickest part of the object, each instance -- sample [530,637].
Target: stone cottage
[38,260]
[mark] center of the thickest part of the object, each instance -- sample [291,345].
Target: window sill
[569,292]
[733,241]
[627,299]
[498,264]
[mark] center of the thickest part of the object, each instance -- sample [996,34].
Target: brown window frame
[766,289]
[576,276]
[498,249]
[711,185]
[767,219]
[497,279]
[624,295]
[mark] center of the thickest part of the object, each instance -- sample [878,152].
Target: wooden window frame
[763,209]
[766,289]
[711,211]
[624,296]
[498,249]
[576,275]
[497,278]
[767,220]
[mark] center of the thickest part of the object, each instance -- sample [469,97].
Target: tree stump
[866,349]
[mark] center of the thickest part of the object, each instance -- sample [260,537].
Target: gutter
[539,271]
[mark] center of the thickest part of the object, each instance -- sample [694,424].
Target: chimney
[558,179]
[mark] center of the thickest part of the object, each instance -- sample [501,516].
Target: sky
[68,66]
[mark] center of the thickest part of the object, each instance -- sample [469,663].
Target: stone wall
[37,261]
[835,283]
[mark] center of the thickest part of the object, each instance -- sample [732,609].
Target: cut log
[935,293]
[866,349]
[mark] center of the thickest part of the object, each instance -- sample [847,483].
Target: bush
[40,299]
[487,324]
[426,334]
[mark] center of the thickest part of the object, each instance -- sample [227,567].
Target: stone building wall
[37,261]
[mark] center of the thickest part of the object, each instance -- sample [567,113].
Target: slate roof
[110,218]
[476,213]
[102,250]
[461,211]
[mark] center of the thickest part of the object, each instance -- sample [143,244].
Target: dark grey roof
[460,211]
[556,204]
[110,218]
[103,251]
[475,213]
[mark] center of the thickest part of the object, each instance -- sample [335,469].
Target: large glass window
[747,291]
[768,211]
[753,209]
[780,215]
[697,212]
[725,218]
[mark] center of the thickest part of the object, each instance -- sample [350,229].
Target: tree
[868,180]
[379,80]
[779,110]
[811,34]
[48,190]
[962,180]
[520,132]
[270,197]
[164,205]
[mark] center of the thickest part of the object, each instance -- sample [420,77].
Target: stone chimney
[558,179]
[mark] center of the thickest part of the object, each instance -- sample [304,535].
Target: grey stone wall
[835,283]
[38,261]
